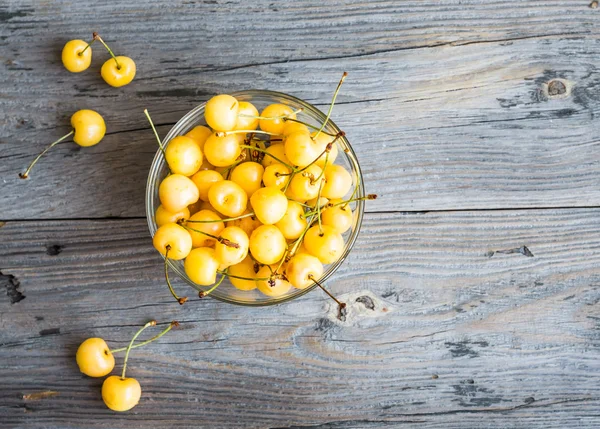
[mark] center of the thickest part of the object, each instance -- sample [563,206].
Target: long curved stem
[25,175]
[221,240]
[335,94]
[291,167]
[221,220]
[182,300]
[306,124]
[130,346]
[154,338]
[98,38]
[160,145]
[202,294]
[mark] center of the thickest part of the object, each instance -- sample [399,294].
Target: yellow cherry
[94,358]
[321,143]
[199,134]
[247,119]
[183,156]
[247,224]
[76,56]
[118,75]
[278,152]
[274,287]
[293,127]
[338,215]
[300,149]
[325,243]
[228,198]
[175,239]
[121,394]
[305,185]
[276,111]
[230,255]
[338,182]
[246,268]
[89,127]
[177,192]
[269,205]
[267,244]
[249,176]
[276,175]
[162,216]
[221,112]
[210,223]
[204,179]
[313,202]
[293,223]
[201,266]
[222,151]
[302,268]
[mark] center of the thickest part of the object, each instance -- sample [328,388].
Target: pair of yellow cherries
[95,359]
[117,71]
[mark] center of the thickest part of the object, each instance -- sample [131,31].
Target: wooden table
[477,123]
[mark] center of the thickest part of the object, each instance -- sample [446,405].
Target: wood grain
[455,337]
[446,103]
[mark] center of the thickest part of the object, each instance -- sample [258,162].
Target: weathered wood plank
[445,103]
[456,337]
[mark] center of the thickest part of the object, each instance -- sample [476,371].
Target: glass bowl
[260,98]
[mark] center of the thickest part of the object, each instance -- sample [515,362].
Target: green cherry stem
[25,175]
[98,38]
[154,338]
[130,346]
[306,124]
[335,94]
[221,240]
[160,145]
[86,48]
[181,301]
[221,220]
[228,133]
[202,293]
[243,278]
[272,118]
[291,167]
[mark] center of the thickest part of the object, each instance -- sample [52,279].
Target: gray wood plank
[446,103]
[457,338]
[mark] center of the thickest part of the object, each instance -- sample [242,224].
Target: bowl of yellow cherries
[254,198]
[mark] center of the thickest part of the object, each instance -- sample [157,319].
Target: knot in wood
[556,87]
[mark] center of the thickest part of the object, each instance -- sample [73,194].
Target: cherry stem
[25,175]
[160,145]
[98,38]
[202,293]
[86,48]
[243,278]
[181,301]
[272,118]
[154,338]
[129,347]
[345,203]
[291,167]
[220,220]
[335,94]
[221,240]
[308,125]
[341,304]
[228,133]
